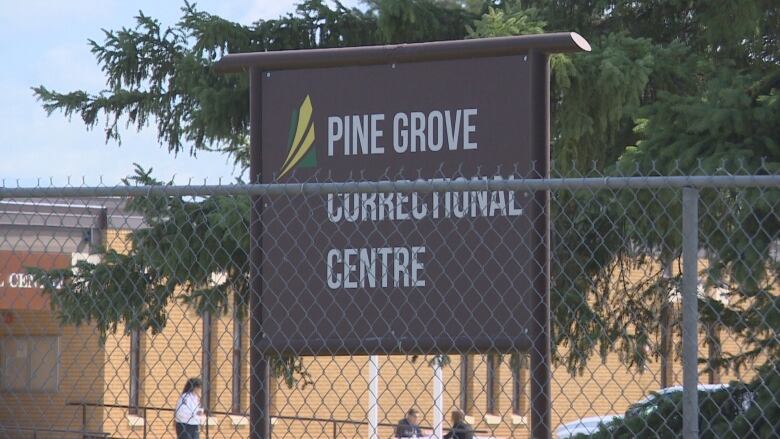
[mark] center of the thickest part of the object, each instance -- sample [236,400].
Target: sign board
[461,280]
[18,289]
[399,271]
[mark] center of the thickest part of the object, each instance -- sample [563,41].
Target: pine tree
[164,77]
[670,88]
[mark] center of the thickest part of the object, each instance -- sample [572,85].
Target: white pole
[373,397]
[438,399]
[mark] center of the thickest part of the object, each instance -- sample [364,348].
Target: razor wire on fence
[393,308]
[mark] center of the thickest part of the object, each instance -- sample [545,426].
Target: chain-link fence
[391,309]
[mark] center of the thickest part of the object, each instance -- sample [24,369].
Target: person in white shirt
[189,411]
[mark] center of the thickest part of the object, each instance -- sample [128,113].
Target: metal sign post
[259,379]
[539,324]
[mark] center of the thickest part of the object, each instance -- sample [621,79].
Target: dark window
[466,384]
[238,330]
[135,370]
[205,397]
[29,364]
[519,383]
[492,385]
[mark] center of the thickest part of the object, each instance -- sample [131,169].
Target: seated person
[460,428]
[408,427]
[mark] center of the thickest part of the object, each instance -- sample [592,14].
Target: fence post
[690,253]
[259,377]
[373,396]
[539,301]
[438,399]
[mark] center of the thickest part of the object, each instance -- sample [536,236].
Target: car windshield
[650,403]
[585,424]
[643,409]
[591,424]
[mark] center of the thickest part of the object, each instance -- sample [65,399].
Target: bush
[739,411]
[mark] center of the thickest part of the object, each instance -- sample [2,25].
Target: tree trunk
[667,372]
[713,352]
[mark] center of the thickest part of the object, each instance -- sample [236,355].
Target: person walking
[460,428]
[189,411]
[408,427]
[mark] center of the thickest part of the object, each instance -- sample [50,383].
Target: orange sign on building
[18,289]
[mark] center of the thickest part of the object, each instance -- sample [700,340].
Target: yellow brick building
[94,395]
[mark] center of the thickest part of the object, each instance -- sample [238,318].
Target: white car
[649,404]
[583,426]
[644,406]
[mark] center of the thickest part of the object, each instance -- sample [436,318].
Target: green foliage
[669,88]
[730,127]
[193,250]
[597,100]
[197,250]
[120,289]
[502,23]
[740,411]
[762,419]
[163,76]
[154,77]
[409,21]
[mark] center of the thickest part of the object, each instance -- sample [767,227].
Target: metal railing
[83,433]
[144,411]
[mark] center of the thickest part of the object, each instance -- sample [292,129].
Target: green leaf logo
[301,138]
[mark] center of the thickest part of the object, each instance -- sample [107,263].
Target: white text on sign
[437,130]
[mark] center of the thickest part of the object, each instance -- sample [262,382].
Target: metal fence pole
[259,378]
[690,250]
[539,326]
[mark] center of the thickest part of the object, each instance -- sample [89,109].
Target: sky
[44,42]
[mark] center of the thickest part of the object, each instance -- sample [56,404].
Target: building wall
[89,373]
[81,377]
[101,374]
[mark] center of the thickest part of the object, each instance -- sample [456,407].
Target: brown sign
[18,290]
[399,271]
[370,273]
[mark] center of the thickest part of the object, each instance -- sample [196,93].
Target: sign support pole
[259,417]
[539,327]
[373,397]
[438,399]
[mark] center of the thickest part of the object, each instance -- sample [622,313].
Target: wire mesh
[111,298]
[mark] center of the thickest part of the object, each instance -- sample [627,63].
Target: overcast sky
[44,42]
